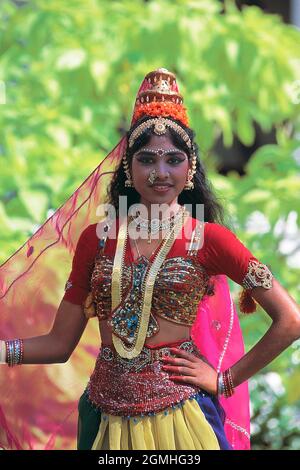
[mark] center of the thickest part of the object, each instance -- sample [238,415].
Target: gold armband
[258,275]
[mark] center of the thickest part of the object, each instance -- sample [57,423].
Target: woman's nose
[161,171]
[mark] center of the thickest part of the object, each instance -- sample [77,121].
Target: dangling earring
[128,182]
[189,183]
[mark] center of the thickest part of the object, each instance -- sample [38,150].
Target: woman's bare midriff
[169,332]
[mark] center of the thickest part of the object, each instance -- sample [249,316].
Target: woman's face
[171,169]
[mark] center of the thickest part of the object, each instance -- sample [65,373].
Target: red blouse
[221,253]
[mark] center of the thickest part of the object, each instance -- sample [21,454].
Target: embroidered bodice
[181,282]
[179,286]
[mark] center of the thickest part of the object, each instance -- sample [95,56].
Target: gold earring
[128,182]
[189,183]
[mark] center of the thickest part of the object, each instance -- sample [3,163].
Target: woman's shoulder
[96,233]
[89,232]
[95,229]
[214,234]
[211,228]
[88,238]
[214,231]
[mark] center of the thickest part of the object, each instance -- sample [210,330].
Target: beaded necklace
[153,226]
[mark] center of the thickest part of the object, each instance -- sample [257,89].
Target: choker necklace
[153,226]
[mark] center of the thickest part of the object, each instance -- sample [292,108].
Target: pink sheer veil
[38,404]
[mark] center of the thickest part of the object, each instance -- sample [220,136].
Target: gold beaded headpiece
[160,127]
[159,97]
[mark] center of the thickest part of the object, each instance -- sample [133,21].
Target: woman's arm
[224,253]
[70,322]
[285,329]
[58,345]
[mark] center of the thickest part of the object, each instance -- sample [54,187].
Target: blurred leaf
[36,203]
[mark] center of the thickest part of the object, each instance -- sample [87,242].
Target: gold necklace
[134,350]
[153,226]
[137,248]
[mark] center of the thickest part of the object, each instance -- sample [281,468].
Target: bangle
[2,352]
[220,384]
[8,352]
[225,384]
[228,383]
[14,352]
[22,351]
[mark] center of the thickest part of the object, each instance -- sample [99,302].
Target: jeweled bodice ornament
[125,318]
[180,285]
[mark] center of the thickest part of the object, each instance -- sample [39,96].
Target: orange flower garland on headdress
[159,96]
[176,111]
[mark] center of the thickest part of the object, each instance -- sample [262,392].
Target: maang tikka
[160,98]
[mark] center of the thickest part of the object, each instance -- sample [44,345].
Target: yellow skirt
[184,428]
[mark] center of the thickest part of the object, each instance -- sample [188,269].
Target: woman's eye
[146,161]
[172,160]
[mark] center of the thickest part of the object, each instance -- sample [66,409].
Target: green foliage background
[69,73]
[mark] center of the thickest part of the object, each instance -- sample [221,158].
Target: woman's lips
[161,189]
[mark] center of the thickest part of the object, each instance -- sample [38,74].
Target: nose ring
[152,176]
